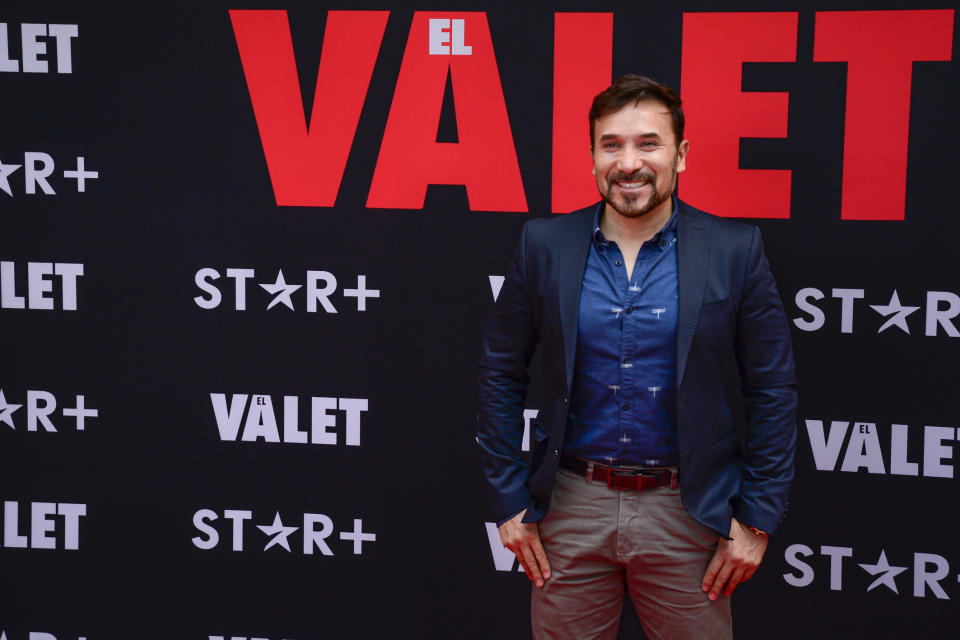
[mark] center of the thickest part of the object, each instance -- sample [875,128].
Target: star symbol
[6,409]
[899,311]
[280,291]
[6,170]
[889,573]
[278,531]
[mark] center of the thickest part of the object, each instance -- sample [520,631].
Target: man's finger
[722,576]
[715,563]
[735,579]
[523,563]
[531,565]
[541,555]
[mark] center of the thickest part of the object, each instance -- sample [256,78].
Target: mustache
[636,176]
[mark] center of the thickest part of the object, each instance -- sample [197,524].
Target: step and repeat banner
[247,254]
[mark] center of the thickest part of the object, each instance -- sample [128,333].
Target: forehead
[647,117]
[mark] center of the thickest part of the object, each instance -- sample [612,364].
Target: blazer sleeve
[765,360]
[508,346]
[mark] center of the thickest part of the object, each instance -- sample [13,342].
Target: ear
[682,155]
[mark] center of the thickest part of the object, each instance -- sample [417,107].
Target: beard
[632,205]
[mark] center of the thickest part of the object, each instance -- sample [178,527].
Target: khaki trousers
[601,541]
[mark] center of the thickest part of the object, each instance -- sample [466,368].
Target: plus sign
[81,413]
[358,536]
[361,293]
[81,175]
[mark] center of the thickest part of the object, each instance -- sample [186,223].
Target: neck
[626,230]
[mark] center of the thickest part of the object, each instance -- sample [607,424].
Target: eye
[648,144]
[610,145]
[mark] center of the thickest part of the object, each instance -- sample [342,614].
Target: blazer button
[564,401]
[556,453]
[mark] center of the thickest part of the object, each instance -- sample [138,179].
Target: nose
[630,159]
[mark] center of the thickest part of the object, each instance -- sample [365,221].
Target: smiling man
[638,482]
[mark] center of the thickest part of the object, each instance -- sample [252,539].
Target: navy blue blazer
[728,307]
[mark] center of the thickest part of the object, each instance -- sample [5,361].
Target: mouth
[631,186]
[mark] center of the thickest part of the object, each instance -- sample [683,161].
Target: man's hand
[734,561]
[523,538]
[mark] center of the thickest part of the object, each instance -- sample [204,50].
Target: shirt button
[629,309]
[626,406]
[619,263]
[626,361]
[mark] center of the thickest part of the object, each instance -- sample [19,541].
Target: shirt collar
[663,238]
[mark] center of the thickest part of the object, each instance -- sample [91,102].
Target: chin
[632,209]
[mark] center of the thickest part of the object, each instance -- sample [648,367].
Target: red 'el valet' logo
[306,165]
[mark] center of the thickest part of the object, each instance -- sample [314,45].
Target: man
[638,303]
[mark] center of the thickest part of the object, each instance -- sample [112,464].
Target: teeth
[631,185]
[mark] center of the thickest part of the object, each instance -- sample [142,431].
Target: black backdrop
[126,527]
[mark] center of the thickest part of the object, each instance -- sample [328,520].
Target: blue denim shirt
[623,405]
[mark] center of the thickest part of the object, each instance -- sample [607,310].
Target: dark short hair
[632,90]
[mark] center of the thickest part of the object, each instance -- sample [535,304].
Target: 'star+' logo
[939,310]
[38,167]
[320,287]
[317,528]
[40,405]
[923,575]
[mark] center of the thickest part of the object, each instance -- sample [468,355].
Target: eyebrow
[608,136]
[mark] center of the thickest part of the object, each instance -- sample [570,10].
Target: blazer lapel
[693,251]
[574,249]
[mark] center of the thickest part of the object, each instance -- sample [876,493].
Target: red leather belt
[620,478]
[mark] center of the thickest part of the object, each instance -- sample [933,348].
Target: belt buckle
[635,486]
